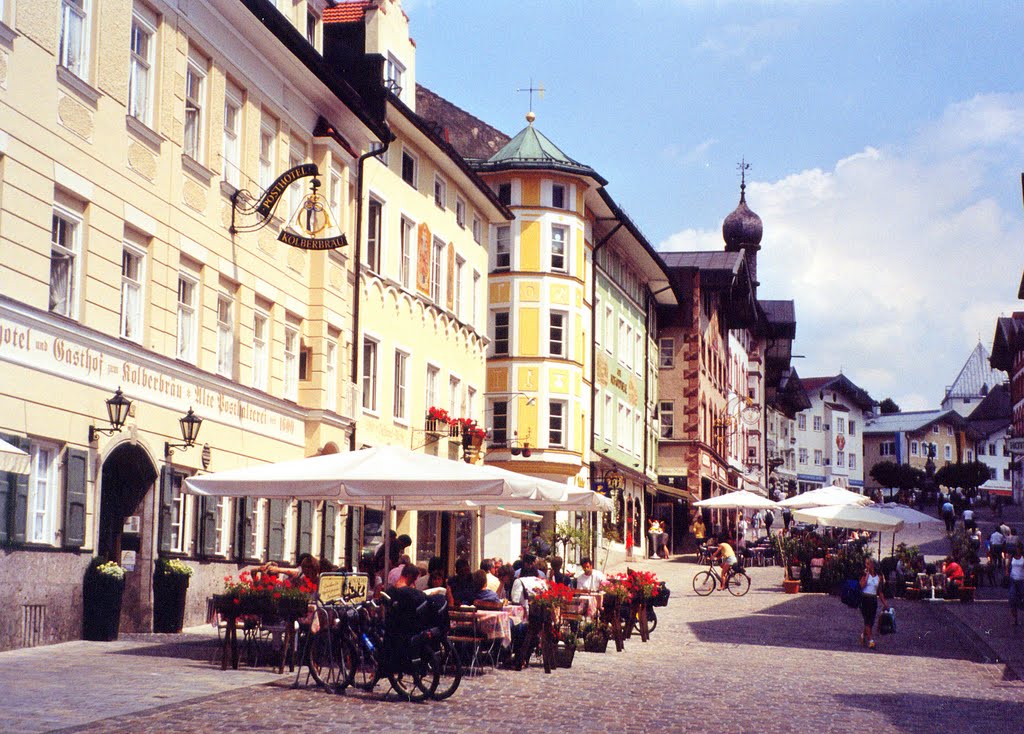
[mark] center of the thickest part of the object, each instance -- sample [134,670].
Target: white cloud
[747,41]
[898,258]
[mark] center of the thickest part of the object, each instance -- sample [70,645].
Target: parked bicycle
[705,582]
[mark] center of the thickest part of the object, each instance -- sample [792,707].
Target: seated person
[529,561]
[506,575]
[589,578]
[954,575]
[396,572]
[482,593]
[461,584]
[308,570]
[488,567]
[557,575]
[727,559]
[523,588]
[436,565]
[404,616]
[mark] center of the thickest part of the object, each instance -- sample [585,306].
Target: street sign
[1016,445]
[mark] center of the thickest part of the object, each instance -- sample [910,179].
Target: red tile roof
[347,12]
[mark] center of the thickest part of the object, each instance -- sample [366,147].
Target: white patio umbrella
[739,500]
[849,516]
[908,515]
[13,459]
[824,496]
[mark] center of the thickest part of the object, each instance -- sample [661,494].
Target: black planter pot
[169,592]
[101,608]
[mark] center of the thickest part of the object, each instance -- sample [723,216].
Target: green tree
[967,476]
[888,406]
[886,473]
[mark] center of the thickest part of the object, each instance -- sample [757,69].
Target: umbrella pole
[387,540]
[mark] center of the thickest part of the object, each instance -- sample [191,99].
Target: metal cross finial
[743,167]
[531,89]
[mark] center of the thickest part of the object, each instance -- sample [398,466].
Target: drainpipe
[358,267]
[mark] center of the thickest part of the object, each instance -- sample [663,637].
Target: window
[499,422]
[223,517]
[609,416]
[970,456]
[609,329]
[312,26]
[503,248]
[132,273]
[840,425]
[195,106]
[913,448]
[556,338]
[817,423]
[401,365]
[840,458]
[64,247]
[260,351]
[394,76]
[73,53]
[374,230]
[409,168]
[43,495]
[476,299]
[801,422]
[817,457]
[666,413]
[268,148]
[501,332]
[436,268]
[432,375]
[140,97]
[803,456]
[407,235]
[666,353]
[296,156]
[440,192]
[291,363]
[179,509]
[623,434]
[638,352]
[470,409]
[853,428]
[887,448]
[558,196]
[331,374]
[369,375]
[225,335]
[559,235]
[454,392]
[460,212]
[477,229]
[556,424]
[505,194]
[948,452]
[935,428]
[991,449]
[233,135]
[949,430]
[853,461]
[188,324]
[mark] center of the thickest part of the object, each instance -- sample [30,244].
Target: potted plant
[616,597]
[170,585]
[595,636]
[102,590]
[565,649]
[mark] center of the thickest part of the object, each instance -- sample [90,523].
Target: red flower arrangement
[642,584]
[438,414]
[553,596]
[266,585]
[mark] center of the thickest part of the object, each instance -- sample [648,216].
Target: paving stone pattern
[767,662]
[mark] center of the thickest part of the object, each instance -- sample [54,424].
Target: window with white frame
[622,425]
[179,515]
[477,229]
[504,192]
[556,424]
[331,374]
[401,385]
[296,157]
[460,211]
[852,428]
[853,461]
[431,389]
[194,145]
[803,456]
[503,247]
[559,238]
[598,322]
[460,266]
[888,448]
[609,328]
[638,433]
[225,335]
[394,75]
[370,375]
[638,351]
[666,415]
[259,528]
[260,350]
[233,135]
[970,456]
[913,448]
[407,241]
[840,458]
[801,422]
[436,268]
[188,321]
[337,192]
[501,332]
[140,68]
[440,192]
[454,387]
[499,422]
[558,197]
[291,362]
[556,335]
[817,457]
[817,423]
[409,168]
[598,418]
[43,494]
[840,424]
[470,410]
[65,244]
[223,517]
[133,261]
[268,152]
[374,233]
[73,50]
[666,353]
[313,29]
[475,316]
[609,418]
[948,452]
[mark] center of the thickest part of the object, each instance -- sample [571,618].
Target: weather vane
[539,89]
[743,167]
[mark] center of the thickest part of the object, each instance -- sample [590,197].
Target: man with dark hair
[398,545]
[589,579]
[487,566]
[461,584]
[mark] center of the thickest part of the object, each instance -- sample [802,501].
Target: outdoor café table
[591,603]
[497,623]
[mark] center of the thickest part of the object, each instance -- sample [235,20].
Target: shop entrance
[126,529]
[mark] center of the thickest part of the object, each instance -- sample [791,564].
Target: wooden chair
[465,632]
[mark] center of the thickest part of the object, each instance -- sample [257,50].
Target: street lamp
[190,424]
[117,413]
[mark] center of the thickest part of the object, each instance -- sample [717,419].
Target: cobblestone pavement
[766,662]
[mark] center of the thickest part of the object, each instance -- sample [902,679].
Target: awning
[685,494]
[997,487]
[13,459]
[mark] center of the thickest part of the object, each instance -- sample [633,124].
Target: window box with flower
[170,586]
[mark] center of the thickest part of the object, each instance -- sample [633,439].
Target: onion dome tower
[742,229]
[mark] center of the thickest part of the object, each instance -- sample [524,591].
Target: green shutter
[208,526]
[18,498]
[275,528]
[305,544]
[8,481]
[355,538]
[75,474]
[166,507]
[243,527]
[330,515]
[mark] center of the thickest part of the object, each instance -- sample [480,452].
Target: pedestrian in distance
[769,518]
[787,519]
[870,596]
[948,515]
[1016,568]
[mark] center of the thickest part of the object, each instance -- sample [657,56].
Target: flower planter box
[101,608]
[791,586]
[564,656]
[169,591]
[595,643]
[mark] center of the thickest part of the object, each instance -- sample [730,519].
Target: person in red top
[954,575]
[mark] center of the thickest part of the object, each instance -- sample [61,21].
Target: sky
[885,142]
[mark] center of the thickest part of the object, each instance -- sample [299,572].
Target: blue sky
[885,141]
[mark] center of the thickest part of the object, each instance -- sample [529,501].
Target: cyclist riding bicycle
[727,560]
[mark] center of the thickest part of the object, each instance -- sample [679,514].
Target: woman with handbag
[870,596]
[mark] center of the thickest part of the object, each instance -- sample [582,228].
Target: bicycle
[705,582]
[652,619]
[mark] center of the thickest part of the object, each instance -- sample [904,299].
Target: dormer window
[394,76]
[558,196]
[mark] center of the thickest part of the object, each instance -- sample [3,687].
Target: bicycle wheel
[365,668]
[739,583]
[331,661]
[449,669]
[419,681]
[704,583]
[652,621]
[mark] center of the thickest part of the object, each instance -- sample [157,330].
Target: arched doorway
[126,528]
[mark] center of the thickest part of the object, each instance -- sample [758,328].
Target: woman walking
[1016,567]
[871,595]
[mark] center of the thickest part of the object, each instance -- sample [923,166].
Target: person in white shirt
[589,579]
[995,547]
[1016,567]
[969,518]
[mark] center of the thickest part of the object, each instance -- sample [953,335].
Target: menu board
[349,587]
